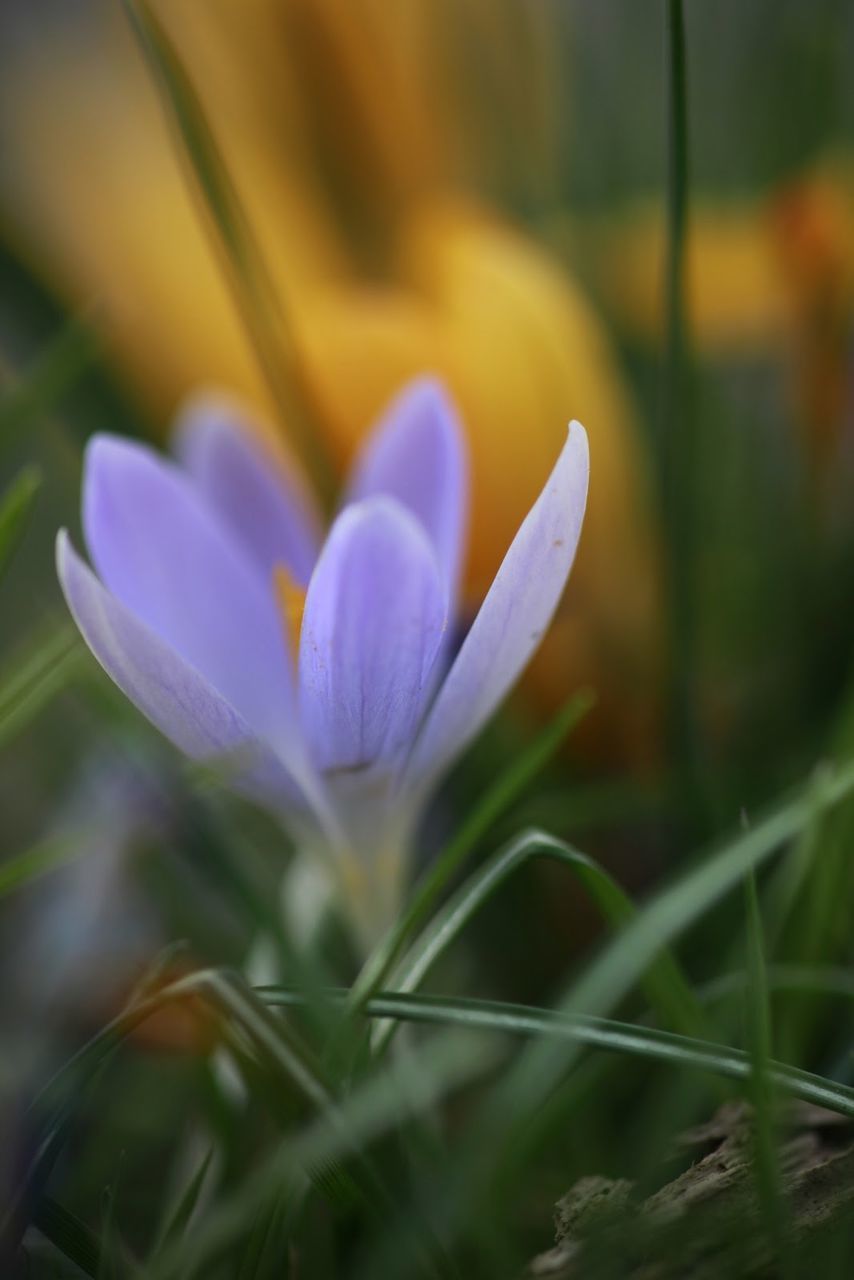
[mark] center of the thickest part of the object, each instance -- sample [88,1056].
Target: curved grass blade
[449,1062]
[622,962]
[489,808]
[824,980]
[593,1032]
[15,510]
[666,987]
[257,300]
[244,1019]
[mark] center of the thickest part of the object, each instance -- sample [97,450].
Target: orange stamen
[291,601]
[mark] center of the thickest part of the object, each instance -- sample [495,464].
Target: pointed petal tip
[208,408]
[417,453]
[96,451]
[62,549]
[70,567]
[110,444]
[427,385]
[572,469]
[380,509]
[514,616]
[105,459]
[577,434]
[428,394]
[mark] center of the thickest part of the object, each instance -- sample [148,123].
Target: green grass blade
[256,297]
[666,987]
[372,1110]
[244,1018]
[679,461]
[20,870]
[766,1167]
[49,378]
[621,963]
[176,1222]
[15,510]
[497,800]
[45,667]
[70,1236]
[278,1043]
[606,1034]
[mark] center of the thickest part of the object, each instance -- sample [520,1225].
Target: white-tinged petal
[160,550]
[512,619]
[175,696]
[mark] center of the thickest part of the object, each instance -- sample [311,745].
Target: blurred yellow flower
[770,276]
[347,128]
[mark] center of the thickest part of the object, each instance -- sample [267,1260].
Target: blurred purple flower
[346,742]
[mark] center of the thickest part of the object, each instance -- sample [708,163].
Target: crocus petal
[417,455]
[160,550]
[513,617]
[253,494]
[174,696]
[373,623]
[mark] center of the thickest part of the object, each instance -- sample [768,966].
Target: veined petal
[512,619]
[373,623]
[417,455]
[251,492]
[167,689]
[159,549]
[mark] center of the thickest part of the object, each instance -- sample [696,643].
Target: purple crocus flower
[346,737]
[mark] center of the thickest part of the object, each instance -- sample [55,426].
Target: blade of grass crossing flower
[15,509]
[606,1034]
[46,665]
[489,808]
[256,297]
[666,987]
[49,378]
[761,1080]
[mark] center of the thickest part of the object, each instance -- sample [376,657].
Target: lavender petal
[512,619]
[373,623]
[417,455]
[166,557]
[168,690]
[255,497]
